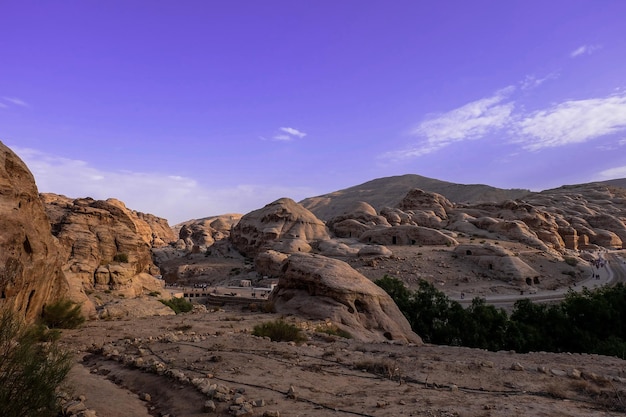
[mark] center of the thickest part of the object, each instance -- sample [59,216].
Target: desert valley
[312,264]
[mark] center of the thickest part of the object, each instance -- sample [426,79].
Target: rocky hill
[389,191]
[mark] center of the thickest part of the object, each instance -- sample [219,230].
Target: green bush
[121,257]
[32,366]
[571,261]
[179,305]
[333,331]
[279,331]
[62,314]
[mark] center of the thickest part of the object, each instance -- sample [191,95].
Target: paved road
[612,273]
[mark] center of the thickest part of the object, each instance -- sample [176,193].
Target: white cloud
[573,121]
[471,121]
[16,101]
[173,197]
[569,122]
[617,172]
[584,50]
[286,134]
[531,81]
[293,132]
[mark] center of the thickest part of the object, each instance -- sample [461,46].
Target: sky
[187,109]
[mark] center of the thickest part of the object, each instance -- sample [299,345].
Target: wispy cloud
[176,198]
[471,121]
[532,81]
[293,132]
[617,172]
[569,122]
[584,50]
[15,101]
[286,134]
[573,121]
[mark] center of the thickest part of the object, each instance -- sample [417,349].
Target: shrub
[121,257]
[154,293]
[179,305]
[279,331]
[268,307]
[333,331]
[384,367]
[30,370]
[62,314]
[571,261]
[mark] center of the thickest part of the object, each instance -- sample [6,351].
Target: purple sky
[187,109]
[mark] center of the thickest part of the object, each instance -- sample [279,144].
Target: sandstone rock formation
[107,246]
[30,258]
[283,224]
[322,288]
[407,235]
[200,234]
[419,200]
[500,263]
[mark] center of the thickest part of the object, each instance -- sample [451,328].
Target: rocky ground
[208,363]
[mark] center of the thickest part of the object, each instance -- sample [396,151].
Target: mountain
[620,182]
[389,191]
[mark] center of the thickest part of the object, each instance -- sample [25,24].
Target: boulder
[375,250]
[318,288]
[338,248]
[353,222]
[271,226]
[269,263]
[31,260]
[419,200]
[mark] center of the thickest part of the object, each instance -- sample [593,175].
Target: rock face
[322,288]
[30,258]
[198,235]
[500,262]
[107,246]
[419,200]
[283,225]
[407,235]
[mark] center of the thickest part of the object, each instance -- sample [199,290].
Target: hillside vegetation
[586,322]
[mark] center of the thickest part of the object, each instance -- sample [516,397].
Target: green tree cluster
[590,321]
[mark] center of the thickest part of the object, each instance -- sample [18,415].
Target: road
[612,273]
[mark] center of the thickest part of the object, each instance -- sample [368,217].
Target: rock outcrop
[31,260]
[407,235]
[500,263]
[107,246]
[283,225]
[198,235]
[321,288]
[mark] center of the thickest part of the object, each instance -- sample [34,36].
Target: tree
[32,366]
